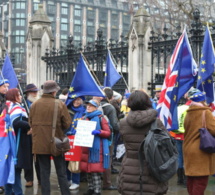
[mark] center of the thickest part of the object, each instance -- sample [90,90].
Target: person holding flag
[76,110]
[197,163]
[18,119]
[3,90]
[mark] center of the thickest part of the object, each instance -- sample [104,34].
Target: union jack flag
[180,76]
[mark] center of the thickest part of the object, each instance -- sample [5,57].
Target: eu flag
[180,76]
[206,68]
[9,73]
[8,149]
[111,74]
[83,83]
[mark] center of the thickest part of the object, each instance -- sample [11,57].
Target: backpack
[160,153]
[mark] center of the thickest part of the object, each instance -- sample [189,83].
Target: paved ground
[174,189]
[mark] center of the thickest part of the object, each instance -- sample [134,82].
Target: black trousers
[29,173]
[45,169]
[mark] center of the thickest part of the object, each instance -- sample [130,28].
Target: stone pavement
[174,189]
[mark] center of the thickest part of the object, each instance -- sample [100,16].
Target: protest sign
[83,136]
[74,154]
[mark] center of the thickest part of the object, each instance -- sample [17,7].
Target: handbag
[58,146]
[74,166]
[207,141]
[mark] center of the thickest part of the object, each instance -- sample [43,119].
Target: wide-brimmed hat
[50,86]
[31,88]
[93,103]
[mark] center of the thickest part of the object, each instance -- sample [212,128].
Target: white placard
[120,150]
[83,136]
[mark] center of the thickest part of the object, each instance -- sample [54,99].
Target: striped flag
[180,76]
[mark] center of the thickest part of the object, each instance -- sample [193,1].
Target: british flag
[180,76]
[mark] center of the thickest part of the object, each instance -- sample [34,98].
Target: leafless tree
[171,13]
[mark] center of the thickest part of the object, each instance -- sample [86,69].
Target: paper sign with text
[83,136]
[74,154]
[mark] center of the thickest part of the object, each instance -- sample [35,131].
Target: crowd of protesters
[118,120]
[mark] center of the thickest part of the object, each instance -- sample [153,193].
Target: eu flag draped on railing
[83,83]
[180,76]
[206,68]
[9,73]
[111,74]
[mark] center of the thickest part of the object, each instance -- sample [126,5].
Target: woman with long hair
[19,122]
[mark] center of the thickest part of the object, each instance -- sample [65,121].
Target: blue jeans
[75,177]
[17,186]
[179,145]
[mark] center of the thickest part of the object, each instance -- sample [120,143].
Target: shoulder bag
[207,141]
[58,146]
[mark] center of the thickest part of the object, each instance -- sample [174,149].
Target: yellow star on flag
[71,89]
[203,82]
[203,70]
[203,62]
[209,81]
[73,96]
[105,74]
[199,77]
[174,98]
[202,55]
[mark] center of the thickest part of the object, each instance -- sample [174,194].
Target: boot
[180,173]
[89,192]
[185,180]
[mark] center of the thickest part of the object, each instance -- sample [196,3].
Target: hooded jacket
[133,129]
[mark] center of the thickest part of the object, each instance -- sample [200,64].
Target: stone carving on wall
[134,38]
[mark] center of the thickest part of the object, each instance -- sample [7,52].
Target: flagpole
[24,101]
[120,70]
[91,69]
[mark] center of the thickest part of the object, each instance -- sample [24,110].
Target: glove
[96,132]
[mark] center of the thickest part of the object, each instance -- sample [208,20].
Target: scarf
[79,112]
[16,110]
[94,152]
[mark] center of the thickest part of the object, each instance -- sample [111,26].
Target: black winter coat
[24,155]
[110,112]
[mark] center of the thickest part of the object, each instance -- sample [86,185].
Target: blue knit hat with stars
[196,95]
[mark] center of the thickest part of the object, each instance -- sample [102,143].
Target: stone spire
[40,16]
[141,12]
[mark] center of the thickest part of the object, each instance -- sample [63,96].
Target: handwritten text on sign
[83,136]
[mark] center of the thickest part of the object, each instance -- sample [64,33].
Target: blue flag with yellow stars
[83,83]
[111,74]
[9,73]
[206,68]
